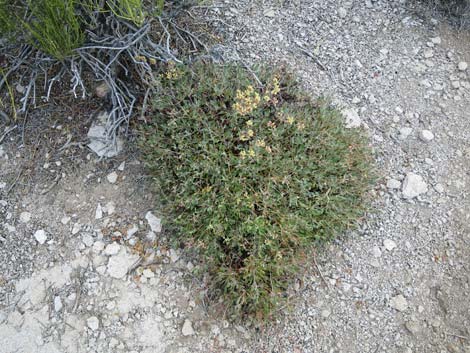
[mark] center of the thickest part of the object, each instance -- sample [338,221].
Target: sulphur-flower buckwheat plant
[251,185]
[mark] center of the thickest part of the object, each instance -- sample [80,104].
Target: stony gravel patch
[84,266]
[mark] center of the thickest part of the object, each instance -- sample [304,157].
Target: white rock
[174,256]
[3,185]
[325,313]
[455,84]
[148,273]
[25,217]
[40,236]
[405,132]
[399,303]
[87,239]
[154,222]
[119,265]
[389,244]
[100,142]
[122,166]
[151,236]
[57,303]
[98,246]
[110,208]
[342,12]
[439,188]
[99,212]
[426,135]
[187,329]
[93,323]
[270,13]
[132,230]
[112,177]
[413,186]
[76,228]
[428,53]
[65,220]
[462,66]
[352,119]
[112,249]
[393,184]
[436,40]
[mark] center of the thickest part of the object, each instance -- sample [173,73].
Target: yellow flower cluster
[260,143]
[172,73]
[247,101]
[251,153]
[246,135]
[144,59]
[276,87]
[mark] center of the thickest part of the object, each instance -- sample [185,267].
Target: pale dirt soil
[396,84]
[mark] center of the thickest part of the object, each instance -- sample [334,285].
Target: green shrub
[457,11]
[251,176]
[130,10]
[55,27]
[7,21]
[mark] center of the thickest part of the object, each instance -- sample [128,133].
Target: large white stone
[399,303]
[414,185]
[187,329]
[93,323]
[119,264]
[352,119]
[155,223]
[40,236]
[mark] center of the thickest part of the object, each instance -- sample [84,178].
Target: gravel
[398,283]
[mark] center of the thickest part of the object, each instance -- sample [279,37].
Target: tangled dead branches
[117,52]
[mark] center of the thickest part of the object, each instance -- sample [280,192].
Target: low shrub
[250,176]
[456,11]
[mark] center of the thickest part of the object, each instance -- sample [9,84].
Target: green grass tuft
[250,176]
[55,27]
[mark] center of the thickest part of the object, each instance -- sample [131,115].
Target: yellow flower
[260,143]
[276,88]
[244,137]
[301,126]
[268,149]
[152,61]
[246,101]
[250,133]
[290,120]
[251,152]
[249,123]
[243,154]
[266,98]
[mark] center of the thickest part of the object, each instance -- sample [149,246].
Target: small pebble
[40,236]
[112,177]
[389,244]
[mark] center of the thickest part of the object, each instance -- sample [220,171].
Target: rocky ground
[84,266]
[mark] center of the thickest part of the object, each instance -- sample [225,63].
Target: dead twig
[319,271]
[54,183]
[458,336]
[7,132]
[313,57]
